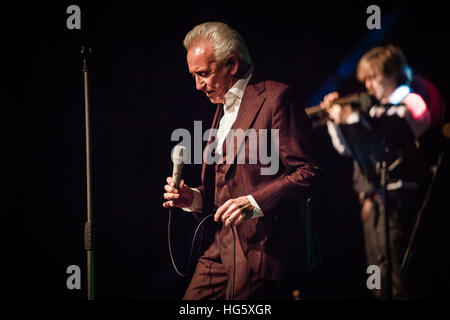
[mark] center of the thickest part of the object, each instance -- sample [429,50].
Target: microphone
[179,154]
[362,99]
[85,51]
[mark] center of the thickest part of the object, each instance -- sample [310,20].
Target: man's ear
[233,64]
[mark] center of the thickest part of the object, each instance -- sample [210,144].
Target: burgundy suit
[276,245]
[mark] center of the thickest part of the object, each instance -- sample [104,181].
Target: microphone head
[179,154]
[85,50]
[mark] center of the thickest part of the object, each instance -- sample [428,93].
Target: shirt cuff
[197,202]
[337,139]
[257,212]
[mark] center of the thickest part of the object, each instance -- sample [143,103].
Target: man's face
[380,86]
[210,77]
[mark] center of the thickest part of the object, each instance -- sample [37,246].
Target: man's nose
[199,84]
[368,84]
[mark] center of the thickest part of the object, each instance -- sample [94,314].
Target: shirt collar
[399,94]
[235,92]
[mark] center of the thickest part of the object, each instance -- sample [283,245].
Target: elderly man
[272,230]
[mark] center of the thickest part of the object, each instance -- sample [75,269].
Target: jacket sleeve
[302,177]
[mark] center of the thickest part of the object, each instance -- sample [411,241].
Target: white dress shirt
[233,100]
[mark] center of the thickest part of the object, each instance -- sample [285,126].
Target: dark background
[140,91]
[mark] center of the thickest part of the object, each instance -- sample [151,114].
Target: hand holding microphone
[177,193]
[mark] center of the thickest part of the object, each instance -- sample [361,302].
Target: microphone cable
[184,274]
[234,264]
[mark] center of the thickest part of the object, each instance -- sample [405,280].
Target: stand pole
[387,236]
[409,249]
[88,225]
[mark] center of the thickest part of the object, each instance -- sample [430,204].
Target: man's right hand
[181,197]
[333,110]
[337,113]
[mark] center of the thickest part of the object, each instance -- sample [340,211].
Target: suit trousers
[218,269]
[403,206]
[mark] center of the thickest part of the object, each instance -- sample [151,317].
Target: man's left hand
[234,211]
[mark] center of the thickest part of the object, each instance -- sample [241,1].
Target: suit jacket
[281,242]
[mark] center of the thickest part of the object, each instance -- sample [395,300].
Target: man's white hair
[225,41]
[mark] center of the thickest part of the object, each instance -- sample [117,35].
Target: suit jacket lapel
[215,125]
[251,103]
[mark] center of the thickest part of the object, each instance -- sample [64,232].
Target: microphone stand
[409,250]
[85,51]
[384,212]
